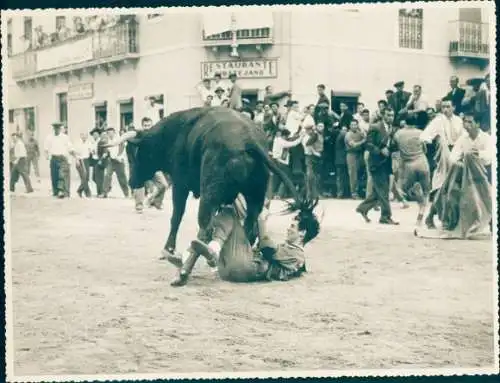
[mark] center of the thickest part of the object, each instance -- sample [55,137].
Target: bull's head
[306,218]
[144,165]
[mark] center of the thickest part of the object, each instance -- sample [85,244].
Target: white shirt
[465,144]
[293,121]
[117,152]
[58,145]
[93,147]
[279,151]
[449,129]
[204,92]
[308,121]
[216,101]
[83,149]
[363,125]
[421,104]
[19,149]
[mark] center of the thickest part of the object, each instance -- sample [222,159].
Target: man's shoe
[180,281]
[429,222]
[202,248]
[388,221]
[364,215]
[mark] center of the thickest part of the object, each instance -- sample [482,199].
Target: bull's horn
[124,137]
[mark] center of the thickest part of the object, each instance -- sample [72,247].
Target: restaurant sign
[80,91]
[258,68]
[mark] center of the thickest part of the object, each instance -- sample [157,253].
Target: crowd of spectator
[80,27]
[322,149]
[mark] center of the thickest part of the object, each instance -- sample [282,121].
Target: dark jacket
[399,100]
[340,149]
[378,138]
[456,99]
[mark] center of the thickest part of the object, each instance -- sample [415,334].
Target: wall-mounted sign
[80,91]
[256,68]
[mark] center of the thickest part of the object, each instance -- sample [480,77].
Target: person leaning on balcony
[58,149]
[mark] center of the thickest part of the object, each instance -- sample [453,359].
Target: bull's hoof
[202,248]
[180,281]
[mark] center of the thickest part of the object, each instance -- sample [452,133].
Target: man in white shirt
[116,164]
[83,154]
[447,127]
[294,118]
[281,154]
[205,90]
[19,164]
[417,102]
[58,149]
[218,98]
[467,182]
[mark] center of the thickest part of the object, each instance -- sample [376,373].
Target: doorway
[348,98]
[252,95]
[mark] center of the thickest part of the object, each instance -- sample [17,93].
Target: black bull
[215,153]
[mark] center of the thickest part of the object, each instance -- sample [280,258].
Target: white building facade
[107,73]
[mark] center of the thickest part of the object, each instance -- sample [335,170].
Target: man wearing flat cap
[399,100]
[58,149]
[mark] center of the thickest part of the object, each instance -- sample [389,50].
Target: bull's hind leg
[179,198]
[255,199]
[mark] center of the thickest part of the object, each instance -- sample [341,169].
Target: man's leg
[54,175]
[108,172]
[81,173]
[352,169]
[161,186]
[36,166]
[119,169]
[86,168]
[14,177]
[381,189]
[64,178]
[23,171]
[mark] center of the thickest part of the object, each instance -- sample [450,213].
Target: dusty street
[90,296]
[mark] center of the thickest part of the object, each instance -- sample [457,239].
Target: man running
[414,173]
[238,261]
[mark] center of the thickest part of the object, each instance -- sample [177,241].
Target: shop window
[11,116]
[411,28]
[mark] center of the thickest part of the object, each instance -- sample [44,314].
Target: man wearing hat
[235,101]
[19,164]
[399,100]
[219,97]
[58,149]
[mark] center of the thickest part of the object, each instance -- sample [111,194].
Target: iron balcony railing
[469,39]
[243,36]
[115,42]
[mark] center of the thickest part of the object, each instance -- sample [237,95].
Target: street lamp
[234,42]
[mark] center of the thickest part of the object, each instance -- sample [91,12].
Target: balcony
[111,46]
[469,41]
[258,36]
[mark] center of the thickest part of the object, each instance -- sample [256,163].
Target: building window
[62,102]
[11,116]
[60,22]
[348,98]
[28,30]
[29,119]
[101,115]
[410,28]
[126,114]
[9,37]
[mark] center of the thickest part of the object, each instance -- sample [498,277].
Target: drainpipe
[290,66]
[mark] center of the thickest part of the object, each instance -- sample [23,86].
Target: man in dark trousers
[19,164]
[455,95]
[378,143]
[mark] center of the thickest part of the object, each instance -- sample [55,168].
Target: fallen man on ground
[238,261]
[463,203]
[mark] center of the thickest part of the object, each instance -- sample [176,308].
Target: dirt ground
[91,297]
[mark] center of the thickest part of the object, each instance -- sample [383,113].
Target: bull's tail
[260,154]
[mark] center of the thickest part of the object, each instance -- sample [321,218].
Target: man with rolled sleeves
[58,149]
[115,165]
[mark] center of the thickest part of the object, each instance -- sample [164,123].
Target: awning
[125,100]
[99,103]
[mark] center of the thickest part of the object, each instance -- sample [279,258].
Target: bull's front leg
[205,212]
